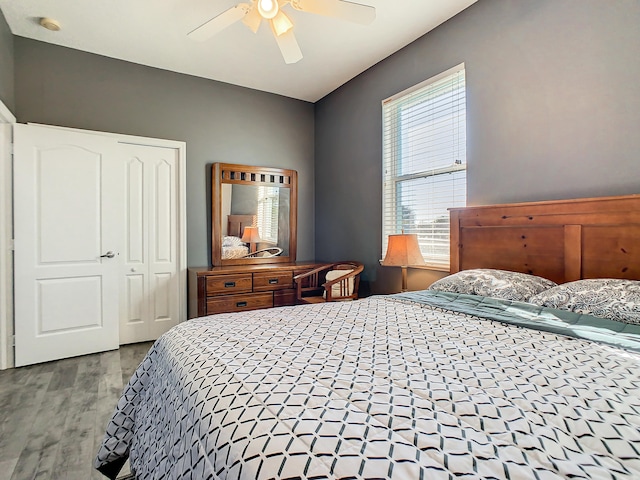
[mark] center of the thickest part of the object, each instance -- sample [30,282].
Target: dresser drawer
[284,297]
[264,281]
[225,284]
[238,303]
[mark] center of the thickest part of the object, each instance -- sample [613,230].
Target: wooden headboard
[236,224]
[562,240]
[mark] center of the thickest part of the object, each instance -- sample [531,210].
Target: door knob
[109,254]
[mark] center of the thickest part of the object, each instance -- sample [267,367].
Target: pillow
[603,297]
[229,241]
[494,283]
[234,252]
[335,289]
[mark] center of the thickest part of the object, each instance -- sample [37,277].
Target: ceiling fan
[254,12]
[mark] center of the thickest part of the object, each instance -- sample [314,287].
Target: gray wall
[553,111]
[219,122]
[6,65]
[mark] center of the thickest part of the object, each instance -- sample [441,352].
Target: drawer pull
[273,281]
[241,304]
[229,284]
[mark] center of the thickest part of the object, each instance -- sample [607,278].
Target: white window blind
[268,199]
[424,162]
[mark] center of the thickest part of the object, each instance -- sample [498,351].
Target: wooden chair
[330,283]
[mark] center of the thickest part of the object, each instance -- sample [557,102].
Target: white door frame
[6,327]
[7,120]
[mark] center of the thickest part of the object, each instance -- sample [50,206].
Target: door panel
[163,291]
[134,177]
[164,214]
[68,203]
[63,237]
[69,304]
[135,299]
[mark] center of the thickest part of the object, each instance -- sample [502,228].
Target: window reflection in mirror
[268,200]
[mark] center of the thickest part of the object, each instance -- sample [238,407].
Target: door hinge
[13,340]
[11,246]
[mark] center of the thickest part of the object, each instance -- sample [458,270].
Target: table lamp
[251,236]
[403,251]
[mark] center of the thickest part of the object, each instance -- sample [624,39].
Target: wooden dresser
[235,288]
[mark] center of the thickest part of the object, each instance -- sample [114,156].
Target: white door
[149,283]
[68,209]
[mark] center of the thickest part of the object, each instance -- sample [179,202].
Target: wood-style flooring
[53,415]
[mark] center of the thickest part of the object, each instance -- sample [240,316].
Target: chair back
[332,282]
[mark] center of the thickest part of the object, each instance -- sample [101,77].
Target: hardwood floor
[53,415]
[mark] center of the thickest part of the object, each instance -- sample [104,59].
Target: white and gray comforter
[382,387]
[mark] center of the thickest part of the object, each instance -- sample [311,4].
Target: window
[424,162]
[268,213]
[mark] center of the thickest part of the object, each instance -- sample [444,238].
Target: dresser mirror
[254,212]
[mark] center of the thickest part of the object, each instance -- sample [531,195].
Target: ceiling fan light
[281,24]
[268,8]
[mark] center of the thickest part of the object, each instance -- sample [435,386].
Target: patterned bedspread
[382,387]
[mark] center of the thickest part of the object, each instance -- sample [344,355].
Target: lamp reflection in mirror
[252,237]
[403,251]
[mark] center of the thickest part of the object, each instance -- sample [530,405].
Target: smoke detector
[50,24]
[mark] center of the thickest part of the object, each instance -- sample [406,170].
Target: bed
[233,247]
[232,244]
[476,377]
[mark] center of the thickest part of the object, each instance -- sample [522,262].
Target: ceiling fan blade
[219,23]
[253,19]
[289,47]
[281,24]
[353,12]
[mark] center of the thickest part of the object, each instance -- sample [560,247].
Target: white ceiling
[153,33]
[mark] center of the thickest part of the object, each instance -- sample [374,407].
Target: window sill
[438,268]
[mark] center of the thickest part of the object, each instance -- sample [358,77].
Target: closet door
[99,241]
[149,281]
[68,191]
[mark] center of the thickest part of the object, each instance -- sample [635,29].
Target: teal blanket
[562,322]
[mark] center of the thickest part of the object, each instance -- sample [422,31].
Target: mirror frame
[228,173]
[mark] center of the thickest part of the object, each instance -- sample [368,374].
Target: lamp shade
[250,235]
[403,251]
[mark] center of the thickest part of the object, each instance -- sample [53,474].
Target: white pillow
[229,241]
[335,289]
